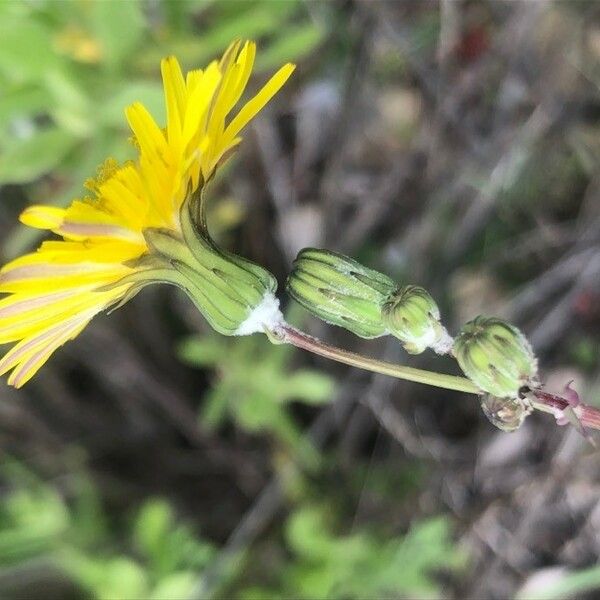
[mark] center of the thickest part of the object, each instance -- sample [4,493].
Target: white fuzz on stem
[264,316]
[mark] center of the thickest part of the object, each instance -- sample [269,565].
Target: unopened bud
[496,356]
[412,315]
[340,291]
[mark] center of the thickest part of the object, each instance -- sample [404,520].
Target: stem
[589,416]
[283,333]
[287,334]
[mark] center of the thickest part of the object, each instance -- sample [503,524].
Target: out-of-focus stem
[287,334]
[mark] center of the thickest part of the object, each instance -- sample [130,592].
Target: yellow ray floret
[54,292]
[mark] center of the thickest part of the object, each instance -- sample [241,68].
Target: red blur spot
[587,304]
[473,44]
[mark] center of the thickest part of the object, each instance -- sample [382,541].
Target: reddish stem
[589,416]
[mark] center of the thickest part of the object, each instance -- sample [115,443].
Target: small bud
[496,356]
[340,291]
[507,414]
[412,315]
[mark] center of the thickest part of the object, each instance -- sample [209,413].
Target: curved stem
[287,334]
[283,333]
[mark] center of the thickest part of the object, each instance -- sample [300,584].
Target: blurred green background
[449,144]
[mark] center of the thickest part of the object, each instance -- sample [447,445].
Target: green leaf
[202,352]
[295,43]
[363,565]
[216,404]
[177,586]
[310,386]
[89,523]
[32,517]
[26,51]
[27,159]
[180,15]
[257,412]
[152,526]
[248,20]
[150,94]
[121,578]
[73,109]
[24,100]
[167,546]
[409,562]
[119,27]
[307,534]
[260,593]
[68,91]
[259,19]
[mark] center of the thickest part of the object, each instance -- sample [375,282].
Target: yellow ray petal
[256,104]
[42,217]
[54,292]
[175,100]
[149,136]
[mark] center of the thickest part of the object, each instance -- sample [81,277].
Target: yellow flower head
[54,292]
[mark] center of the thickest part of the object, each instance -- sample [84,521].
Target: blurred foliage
[584,352]
[324,564]
[253,387]
[153,556]
[68,69]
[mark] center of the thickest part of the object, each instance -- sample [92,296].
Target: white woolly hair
[264,316]
[444,344]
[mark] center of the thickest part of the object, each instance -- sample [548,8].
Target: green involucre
[412,315]
[340,291]
[224,287]
[496,356]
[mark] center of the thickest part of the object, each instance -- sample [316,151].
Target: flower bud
[412,315]
[507,414]
[340,291]
[496,356]
[235,295]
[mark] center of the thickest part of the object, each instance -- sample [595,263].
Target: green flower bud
[496,356]
[235,295]
[412,315]
[340,291]
[507,414]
